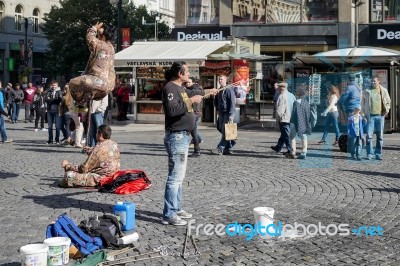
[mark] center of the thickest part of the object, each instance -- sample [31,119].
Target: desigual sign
[200,36]
[384,34]
[201,33]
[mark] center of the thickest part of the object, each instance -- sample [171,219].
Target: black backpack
[107,227]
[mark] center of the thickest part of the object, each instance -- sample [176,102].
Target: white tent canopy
[165,53]
[352,56]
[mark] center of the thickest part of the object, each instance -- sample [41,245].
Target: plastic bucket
[264,216]
[34,255]
[58,250]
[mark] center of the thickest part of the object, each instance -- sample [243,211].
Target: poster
[240,78]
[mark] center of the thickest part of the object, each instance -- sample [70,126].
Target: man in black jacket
[179,122]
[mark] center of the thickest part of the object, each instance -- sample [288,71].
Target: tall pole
[26,42]
[356,25]
[119,26]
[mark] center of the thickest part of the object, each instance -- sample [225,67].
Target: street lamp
[157,20]
[26,22]
[356,6]
[119,4]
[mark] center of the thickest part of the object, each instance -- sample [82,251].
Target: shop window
[18,18]
[203,12]
[2,16]
[385,10]
[35,18]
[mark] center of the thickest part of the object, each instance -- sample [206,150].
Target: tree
[65,28]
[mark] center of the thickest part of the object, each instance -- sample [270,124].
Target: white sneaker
[175,221]
[184,215]
[36,129]
[44,129]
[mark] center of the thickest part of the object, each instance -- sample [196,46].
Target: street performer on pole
[99,76]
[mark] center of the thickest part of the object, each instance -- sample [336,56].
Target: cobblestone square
[326,188]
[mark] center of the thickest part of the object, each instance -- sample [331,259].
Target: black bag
[107,227]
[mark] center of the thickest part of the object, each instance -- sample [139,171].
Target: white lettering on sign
[200,36]
[149,64]
[390,35]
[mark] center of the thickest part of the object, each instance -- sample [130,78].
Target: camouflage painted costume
[99,76]
[104,160]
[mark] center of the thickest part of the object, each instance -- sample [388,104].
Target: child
[355,133]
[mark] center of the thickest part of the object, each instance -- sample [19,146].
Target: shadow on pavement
[390,175]
[65,201]
[393,190]
[7,175]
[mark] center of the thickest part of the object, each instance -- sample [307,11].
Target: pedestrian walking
[331,113]
[224,102]
[39,105]
[355,133]
[53,99]
[29,94]
[376,105]
[300,124]
[284,108]
[17,96]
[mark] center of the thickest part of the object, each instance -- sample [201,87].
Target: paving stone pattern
[327,188]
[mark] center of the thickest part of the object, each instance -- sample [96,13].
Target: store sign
[149,63]
[384,34]
[201,33]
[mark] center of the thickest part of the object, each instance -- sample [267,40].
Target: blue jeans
[284,139]
[332,117]
[3,129]
[15,111]
[54,117]
[375,124]
[355,146]
[224,145]
[196,138]
[97,119]
[177,146]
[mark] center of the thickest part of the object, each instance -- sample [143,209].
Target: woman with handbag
[331,113]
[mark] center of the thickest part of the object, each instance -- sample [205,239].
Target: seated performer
[99,76]
[104,160]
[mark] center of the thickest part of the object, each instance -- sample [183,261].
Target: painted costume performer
[99,76]
[103,160]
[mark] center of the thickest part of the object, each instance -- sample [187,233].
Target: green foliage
[65,27]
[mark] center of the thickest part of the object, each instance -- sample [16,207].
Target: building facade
[22,43]
[165,9]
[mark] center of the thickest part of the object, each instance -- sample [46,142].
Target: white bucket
[58,250]
[264,216]
[34,255]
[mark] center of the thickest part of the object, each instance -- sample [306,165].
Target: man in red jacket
[29,93]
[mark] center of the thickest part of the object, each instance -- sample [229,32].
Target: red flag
[126,38]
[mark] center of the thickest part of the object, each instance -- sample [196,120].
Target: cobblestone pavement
[326,188]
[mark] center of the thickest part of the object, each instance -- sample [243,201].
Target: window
[248,11]
[385,10]
[2,16]
[35,19]
[17,18]
[203,12]
[287,11]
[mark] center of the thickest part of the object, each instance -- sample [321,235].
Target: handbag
[231,131]
[132,98]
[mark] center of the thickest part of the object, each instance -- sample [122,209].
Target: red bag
[117,183]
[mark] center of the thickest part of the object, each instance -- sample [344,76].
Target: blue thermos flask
[126,212]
